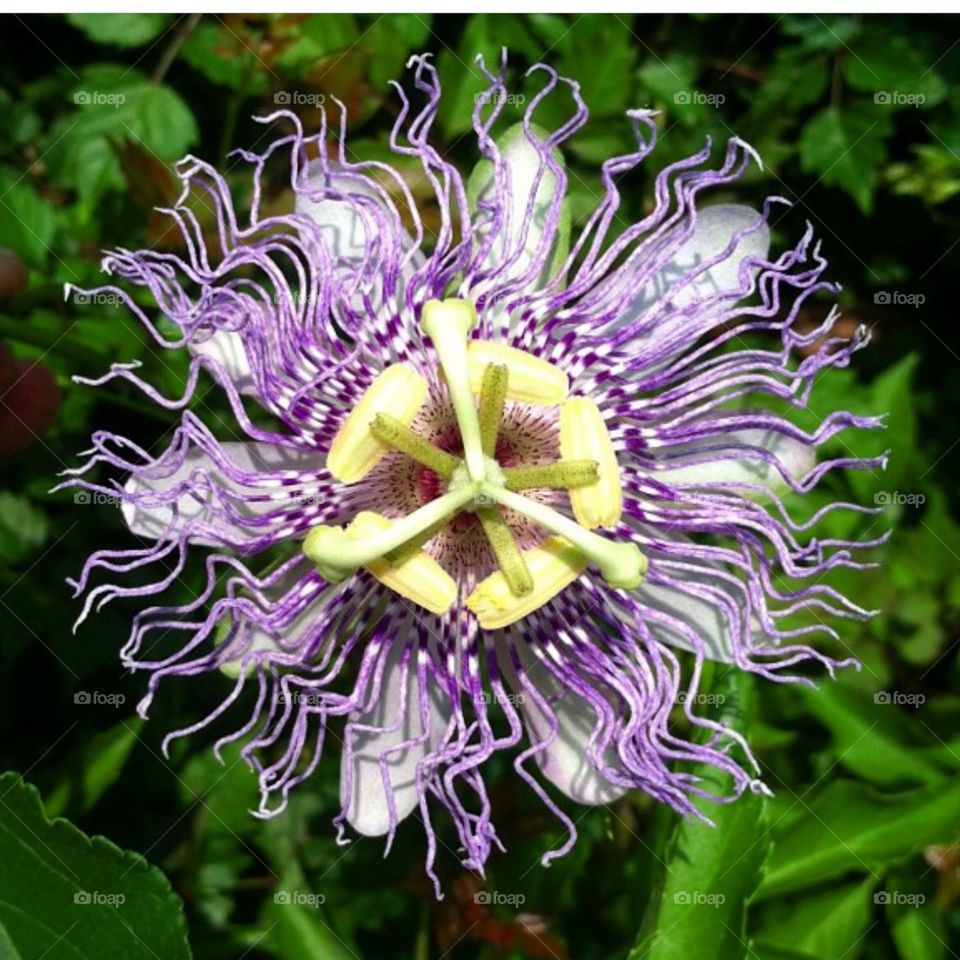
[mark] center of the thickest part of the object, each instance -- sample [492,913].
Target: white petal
[261,636]
[701,607]
[517,246]
[564,761]
[226,346]
[154,522]
[715,228]
[349,234]
[367,810]
[346,232]
[703,618]
[739,467]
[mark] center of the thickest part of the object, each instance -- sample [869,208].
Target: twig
[170,54]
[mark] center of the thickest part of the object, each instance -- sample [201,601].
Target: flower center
[476,483]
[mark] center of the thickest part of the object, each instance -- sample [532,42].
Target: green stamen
[448,323]
[338,555]
[399,436]
[507,553]
[552,476]
[622,564]
[493,395]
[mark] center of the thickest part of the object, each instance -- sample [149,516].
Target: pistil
[621,564]
[338,554]
[448,324]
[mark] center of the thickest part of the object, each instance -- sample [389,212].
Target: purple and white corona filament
[510,471]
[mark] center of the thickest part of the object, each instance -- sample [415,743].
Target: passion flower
[503,478]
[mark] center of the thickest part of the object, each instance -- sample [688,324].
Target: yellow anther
[584,436]
[529,380]
[553,565]
[419,578]
[399,391]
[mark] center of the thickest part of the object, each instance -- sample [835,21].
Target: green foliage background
[856,853]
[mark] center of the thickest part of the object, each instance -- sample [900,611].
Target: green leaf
[318,36]
[229,791]
[872,737]
[849,827]
[827,31]
[890,66]
[121,29]
[846,149]
[391,40]
[795,80]
[8,950]
[221,57]
[918,929]
[461,77]
[64,894]
[299,924]
[114,105]
[665,77]
[23,529]
[101,761]
[605,87]
[933,176]
[891,395]
[710,872]
[827,925]
[27,222]
[552,30]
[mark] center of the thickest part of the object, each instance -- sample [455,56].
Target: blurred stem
[233,110]
[58,343]
[421,950]
[173,48]
[135,406]
[836,87]
[50,295]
